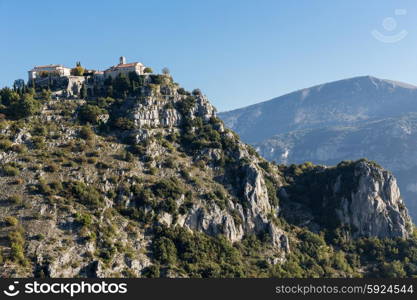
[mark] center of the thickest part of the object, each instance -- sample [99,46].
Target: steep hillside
[152,184]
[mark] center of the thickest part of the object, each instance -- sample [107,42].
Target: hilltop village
[64,82]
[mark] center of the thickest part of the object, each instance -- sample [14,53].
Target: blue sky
[237,52]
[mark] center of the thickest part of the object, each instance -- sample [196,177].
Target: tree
[197,92]
[164,250]
[121,84]
[165,71]
[148,70]
[19,85]
[90,113]
[46,94]
[394,269]
[8,96]
[78,70]
[83,92]
[23,107]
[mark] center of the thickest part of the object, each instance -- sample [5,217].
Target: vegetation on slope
[74,181]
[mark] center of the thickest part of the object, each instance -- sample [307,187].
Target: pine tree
[83,92]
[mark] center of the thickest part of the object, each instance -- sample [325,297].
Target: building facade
[124,68]
[45,71]
[59,80]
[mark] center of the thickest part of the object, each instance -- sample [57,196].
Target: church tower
[122,60]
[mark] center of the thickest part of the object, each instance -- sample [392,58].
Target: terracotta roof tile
[126,65]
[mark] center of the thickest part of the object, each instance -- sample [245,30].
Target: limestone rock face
[376,207]
[153,111]
[361,198]
[254,218]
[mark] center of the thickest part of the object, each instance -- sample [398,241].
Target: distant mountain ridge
[344,102]
[342,120]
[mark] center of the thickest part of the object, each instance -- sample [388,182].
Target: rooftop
[48,66]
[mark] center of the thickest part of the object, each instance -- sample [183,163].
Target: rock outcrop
[358,197]
[375,208]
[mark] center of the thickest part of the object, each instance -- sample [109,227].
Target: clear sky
[237,52]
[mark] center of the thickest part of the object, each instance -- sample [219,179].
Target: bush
[11,221]
[86,133]
[10,171]
[153,271]
[128,157]
[164,250]
[18,148]
[38,142]
[92,160]
[86,194]
[196,92]
[5,145]
[39,131]
[17,242]
[124,123]
[51,168]
[84,219]
[90,113]
[147,70]
[43,188]
[23,108]
[16,199]
[168,189]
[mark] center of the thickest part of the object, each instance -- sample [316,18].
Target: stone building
[59,80]
[47,71]
[124,68]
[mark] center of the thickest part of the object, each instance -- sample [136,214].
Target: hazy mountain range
[341,120]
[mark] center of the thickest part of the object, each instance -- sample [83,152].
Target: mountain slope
[343,120]
[152,184]
[341,103]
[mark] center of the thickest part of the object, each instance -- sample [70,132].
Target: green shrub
[86,133]
[18,148]
[92,160]
[90,113]
[128,157]
[164,250]
[38,142]
[43,188]
[23,108]
[86,194]
[51,168]
[39,130]
[124,123]
[17,242]
[16,199]
[153,271]
[84,219]
[5,145]
[102,165]
[11,171]
[168,189]
[11,221]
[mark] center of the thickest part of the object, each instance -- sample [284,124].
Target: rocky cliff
[359,197]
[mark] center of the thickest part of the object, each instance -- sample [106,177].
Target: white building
[44,71]
[124,68]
